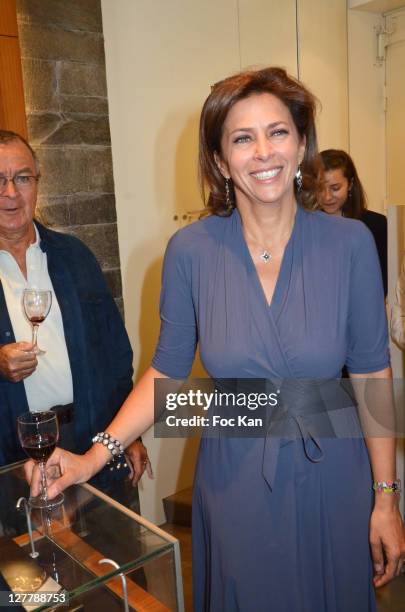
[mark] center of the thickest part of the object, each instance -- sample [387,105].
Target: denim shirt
[99,351]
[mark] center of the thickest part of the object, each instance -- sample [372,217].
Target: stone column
[62,51]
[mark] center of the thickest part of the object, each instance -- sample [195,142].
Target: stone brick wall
[63,62]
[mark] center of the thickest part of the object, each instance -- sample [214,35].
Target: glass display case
[91,553]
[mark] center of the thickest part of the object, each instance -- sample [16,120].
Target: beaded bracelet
[387,486]
[115,447]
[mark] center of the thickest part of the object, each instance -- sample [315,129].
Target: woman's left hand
[138,461]
[387,541]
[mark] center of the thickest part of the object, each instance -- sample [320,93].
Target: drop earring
[298,178]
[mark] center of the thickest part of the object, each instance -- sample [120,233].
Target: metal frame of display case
[154,529]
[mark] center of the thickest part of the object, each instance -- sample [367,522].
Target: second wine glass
[37,305]
[39,434]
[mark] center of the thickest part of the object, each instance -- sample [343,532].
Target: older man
[86,372]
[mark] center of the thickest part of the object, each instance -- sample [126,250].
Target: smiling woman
[281,521]
[261,151]
[297,107]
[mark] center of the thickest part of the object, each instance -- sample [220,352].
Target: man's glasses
[21,182]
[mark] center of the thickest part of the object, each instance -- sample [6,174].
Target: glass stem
[44,489]
[34,335]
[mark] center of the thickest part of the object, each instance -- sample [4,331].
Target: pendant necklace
[265,256]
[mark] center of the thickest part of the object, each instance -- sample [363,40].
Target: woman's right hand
[73,469]
[387,539]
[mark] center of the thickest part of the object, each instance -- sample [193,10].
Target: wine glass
[37,305]
[39,434]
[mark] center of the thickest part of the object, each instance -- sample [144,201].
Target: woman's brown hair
[224,95]
[356,203]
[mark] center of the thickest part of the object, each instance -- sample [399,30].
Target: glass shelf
[72,540]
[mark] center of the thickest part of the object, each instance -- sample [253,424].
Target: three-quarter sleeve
[367,319]
[175,351]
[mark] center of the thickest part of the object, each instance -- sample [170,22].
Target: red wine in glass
[37,319]
[39,434]
[37,305]
[38,447]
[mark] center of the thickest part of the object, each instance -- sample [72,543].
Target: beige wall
[376,6]
[267,33]
[161,59]
[323,66]
[366,108]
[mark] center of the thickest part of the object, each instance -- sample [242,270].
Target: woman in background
[343,195]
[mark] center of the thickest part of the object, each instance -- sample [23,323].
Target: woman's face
[335,191]
[261,151]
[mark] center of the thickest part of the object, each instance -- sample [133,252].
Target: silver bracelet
[115,447]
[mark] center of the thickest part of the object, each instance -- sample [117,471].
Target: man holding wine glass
[82,368]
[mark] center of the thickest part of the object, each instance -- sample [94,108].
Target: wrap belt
[302,412]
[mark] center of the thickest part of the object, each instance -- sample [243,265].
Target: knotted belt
[302,411]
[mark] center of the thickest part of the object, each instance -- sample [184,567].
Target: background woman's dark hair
[356,203]
[224,95]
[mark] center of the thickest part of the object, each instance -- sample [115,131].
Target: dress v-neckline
[280,288]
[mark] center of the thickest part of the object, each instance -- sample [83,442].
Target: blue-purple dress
[275,529]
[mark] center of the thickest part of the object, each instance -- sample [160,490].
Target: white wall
[161,59]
